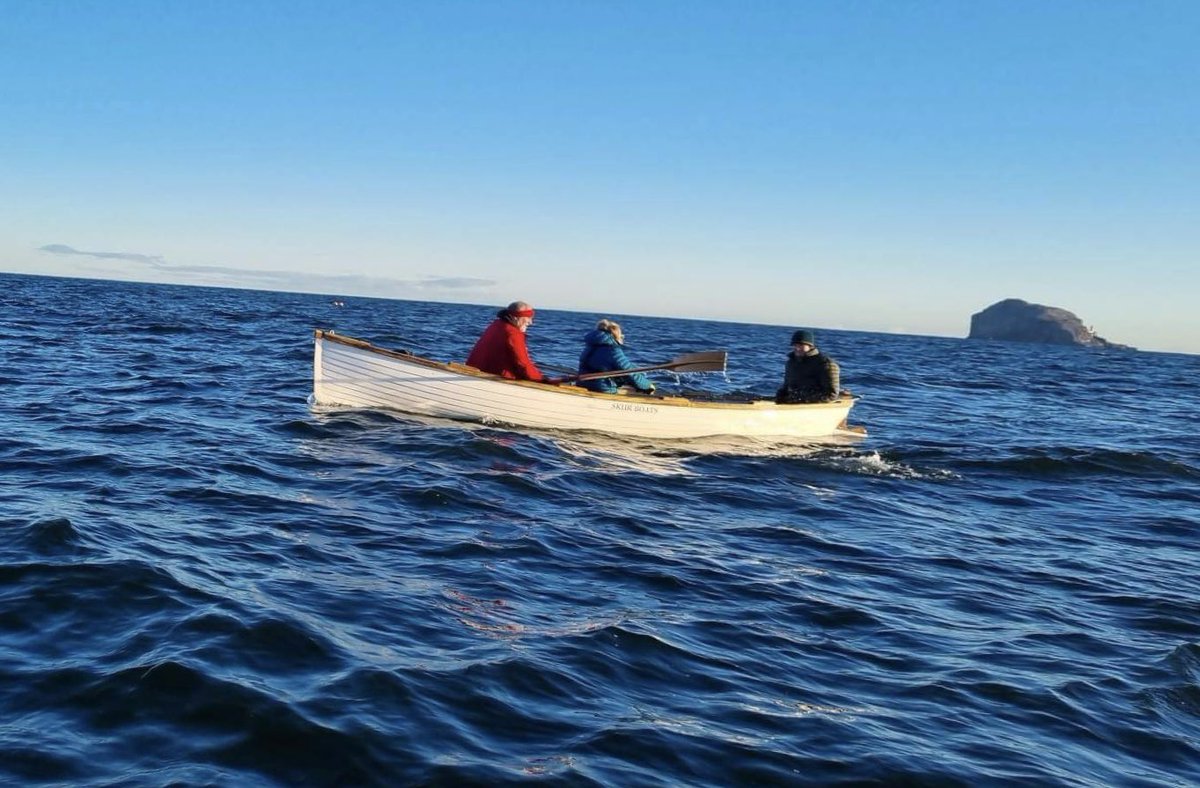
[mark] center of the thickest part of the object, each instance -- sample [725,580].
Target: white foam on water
[875,464]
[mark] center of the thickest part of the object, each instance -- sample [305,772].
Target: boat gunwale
[658,399]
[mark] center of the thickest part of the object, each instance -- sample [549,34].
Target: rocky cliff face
[1020,321]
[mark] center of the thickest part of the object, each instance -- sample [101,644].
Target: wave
[1071,460]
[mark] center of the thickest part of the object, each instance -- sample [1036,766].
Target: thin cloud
[153,260]
[454,283]
[287,280]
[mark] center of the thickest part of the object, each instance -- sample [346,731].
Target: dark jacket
[813,377]
[602,353]
[501,351]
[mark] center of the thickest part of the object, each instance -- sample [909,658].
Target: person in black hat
[810,375]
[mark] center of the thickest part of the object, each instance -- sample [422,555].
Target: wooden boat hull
[349,372]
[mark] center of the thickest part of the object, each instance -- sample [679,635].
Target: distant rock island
[1020,321]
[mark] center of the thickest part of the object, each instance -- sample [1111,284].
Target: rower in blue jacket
[604,352]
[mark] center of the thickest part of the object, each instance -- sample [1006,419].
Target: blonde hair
[612,327]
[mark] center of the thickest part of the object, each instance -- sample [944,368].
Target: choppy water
[202,581]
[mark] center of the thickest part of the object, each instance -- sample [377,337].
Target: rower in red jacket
[501,349]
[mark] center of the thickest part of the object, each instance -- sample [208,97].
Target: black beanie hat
[804,336]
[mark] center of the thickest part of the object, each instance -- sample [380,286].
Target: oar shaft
[705,361]
[616,373]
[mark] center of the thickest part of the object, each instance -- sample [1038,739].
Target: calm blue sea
[205,582]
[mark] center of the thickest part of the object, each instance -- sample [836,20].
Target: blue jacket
[601,353]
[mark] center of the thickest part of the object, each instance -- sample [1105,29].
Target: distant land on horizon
[1017,320]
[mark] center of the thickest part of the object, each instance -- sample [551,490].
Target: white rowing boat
[349,372]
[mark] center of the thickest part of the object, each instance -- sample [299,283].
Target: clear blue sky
[884,166]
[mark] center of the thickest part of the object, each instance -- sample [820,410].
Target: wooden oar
[704,361]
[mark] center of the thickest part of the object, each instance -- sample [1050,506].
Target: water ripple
[206,582]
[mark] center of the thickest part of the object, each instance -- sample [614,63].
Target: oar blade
[704,361]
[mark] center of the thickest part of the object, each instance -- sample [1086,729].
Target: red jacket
[501,351]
